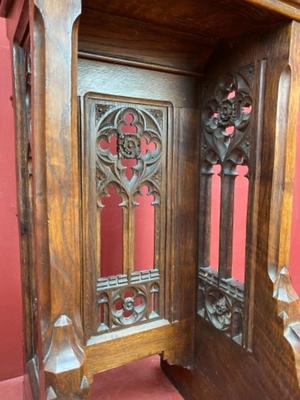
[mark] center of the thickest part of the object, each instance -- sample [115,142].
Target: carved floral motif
[127,305]
[100,110]
[218,308]
[129,146]
[225,120]
[221,302]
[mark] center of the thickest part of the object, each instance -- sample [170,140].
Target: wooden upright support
[56,193]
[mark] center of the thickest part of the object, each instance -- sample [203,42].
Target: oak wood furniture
[146,100]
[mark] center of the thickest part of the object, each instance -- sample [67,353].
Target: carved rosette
[129,146]
[221,303]
[225,120]
[218,308]
[129,305]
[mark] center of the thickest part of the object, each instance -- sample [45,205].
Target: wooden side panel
[174,98]
[185,193]
[269,369]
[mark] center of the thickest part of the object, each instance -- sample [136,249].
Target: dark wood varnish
[208,83]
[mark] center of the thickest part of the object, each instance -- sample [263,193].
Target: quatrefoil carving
[129,305]
[147,170]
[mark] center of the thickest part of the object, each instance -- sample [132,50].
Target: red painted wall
[11,339]
[11,336]
[295,247]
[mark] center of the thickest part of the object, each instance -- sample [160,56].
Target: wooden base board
[173,341]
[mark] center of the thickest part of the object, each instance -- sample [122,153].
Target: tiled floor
[139,380]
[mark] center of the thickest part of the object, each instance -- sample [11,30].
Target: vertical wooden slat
[205,200]
[128,238]
[228,175]
[253,207]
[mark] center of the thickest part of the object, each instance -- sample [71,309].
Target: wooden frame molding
[288,8]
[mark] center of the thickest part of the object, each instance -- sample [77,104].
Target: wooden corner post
[54,30]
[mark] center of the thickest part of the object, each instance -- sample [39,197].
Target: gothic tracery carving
[129,136]
[128,303]
[221,303]
[110,169]
[225,120]
[226,141]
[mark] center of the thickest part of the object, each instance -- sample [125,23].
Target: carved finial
[64,362]
[84,383]
[63,320]
[84,388]
[50,393]
[284,316]
[65,352]
[283,288]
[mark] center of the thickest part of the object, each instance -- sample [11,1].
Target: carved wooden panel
[123,302]
[126,143]
[221,303]
[226,141]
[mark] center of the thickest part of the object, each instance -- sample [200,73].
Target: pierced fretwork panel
[124,302]
[221,302]
[126,144]
[129,151]
[227,144]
